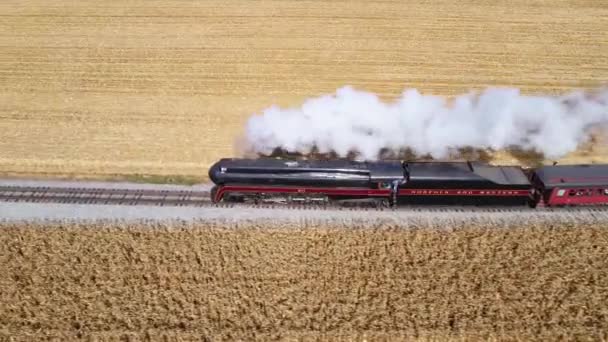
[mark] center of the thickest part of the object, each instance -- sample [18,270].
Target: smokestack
[496,118]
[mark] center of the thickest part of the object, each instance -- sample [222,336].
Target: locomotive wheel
[233,198]
[385,203]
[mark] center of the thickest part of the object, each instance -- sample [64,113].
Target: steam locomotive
[394,183]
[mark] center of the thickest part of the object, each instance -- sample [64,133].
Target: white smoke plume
[496,118]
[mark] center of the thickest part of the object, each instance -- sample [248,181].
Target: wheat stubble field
[197,282]
[99,89]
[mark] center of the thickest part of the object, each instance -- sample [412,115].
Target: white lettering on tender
[461,192]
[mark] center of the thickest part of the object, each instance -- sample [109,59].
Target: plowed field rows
[165,87]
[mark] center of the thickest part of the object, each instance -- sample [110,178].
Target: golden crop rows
[252,282]
[165,87]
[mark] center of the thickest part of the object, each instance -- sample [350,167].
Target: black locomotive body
[464,183]
[315,173]
[395,182]
[238,179]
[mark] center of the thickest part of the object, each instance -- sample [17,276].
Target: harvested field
[190,282]
[155,87]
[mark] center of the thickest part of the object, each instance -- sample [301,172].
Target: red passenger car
[562,185]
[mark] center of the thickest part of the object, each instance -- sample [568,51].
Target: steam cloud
[496,118]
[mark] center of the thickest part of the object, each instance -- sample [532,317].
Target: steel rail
[74,195]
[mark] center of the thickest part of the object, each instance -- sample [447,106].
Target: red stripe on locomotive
[300,190]
[370,192]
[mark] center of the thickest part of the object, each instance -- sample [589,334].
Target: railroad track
[103,196]
[180,198]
